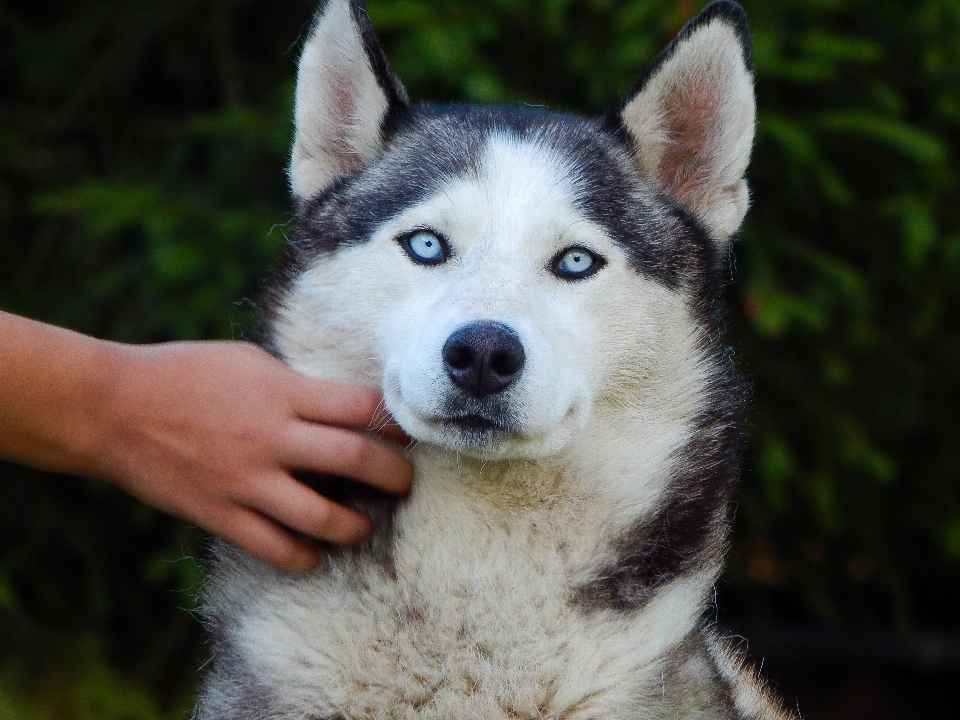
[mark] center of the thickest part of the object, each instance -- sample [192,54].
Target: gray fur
[231,691]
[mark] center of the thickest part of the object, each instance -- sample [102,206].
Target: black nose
[483,358]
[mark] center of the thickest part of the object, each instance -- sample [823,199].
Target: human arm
[206,431]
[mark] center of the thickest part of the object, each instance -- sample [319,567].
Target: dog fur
[571,506]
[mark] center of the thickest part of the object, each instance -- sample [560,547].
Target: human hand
[211,431]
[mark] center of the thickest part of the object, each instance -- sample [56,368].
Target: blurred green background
[143,198]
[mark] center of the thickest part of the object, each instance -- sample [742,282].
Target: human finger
[337,403]
[265,539]
[301,508]
[333,451]
[346,405]
[384,425]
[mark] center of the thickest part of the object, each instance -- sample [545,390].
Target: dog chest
[474,611]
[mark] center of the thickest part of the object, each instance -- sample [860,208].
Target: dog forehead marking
[520,199]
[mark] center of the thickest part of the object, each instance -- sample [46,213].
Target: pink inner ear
[690,120]
[343,112]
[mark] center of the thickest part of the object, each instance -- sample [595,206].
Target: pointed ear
[691,117]
[346,95]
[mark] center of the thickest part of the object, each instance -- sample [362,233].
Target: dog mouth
[492,431]
[475,423]
[472,423]
[472,429]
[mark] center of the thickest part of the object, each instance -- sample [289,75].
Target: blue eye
[425,247]
[576,263]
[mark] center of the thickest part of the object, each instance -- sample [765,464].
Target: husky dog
[537,296]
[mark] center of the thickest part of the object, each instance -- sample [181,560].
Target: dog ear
[346,96]
[690,118]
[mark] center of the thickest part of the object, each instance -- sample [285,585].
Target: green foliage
[142,197]
[81,684]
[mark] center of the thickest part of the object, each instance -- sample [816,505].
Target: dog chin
[484,439]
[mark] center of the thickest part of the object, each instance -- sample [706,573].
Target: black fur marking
[379,506]
[688,531]
[397,100]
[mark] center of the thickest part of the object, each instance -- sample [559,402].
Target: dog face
[484,356]
[506,274]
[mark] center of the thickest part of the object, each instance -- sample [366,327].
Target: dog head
[507,274]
